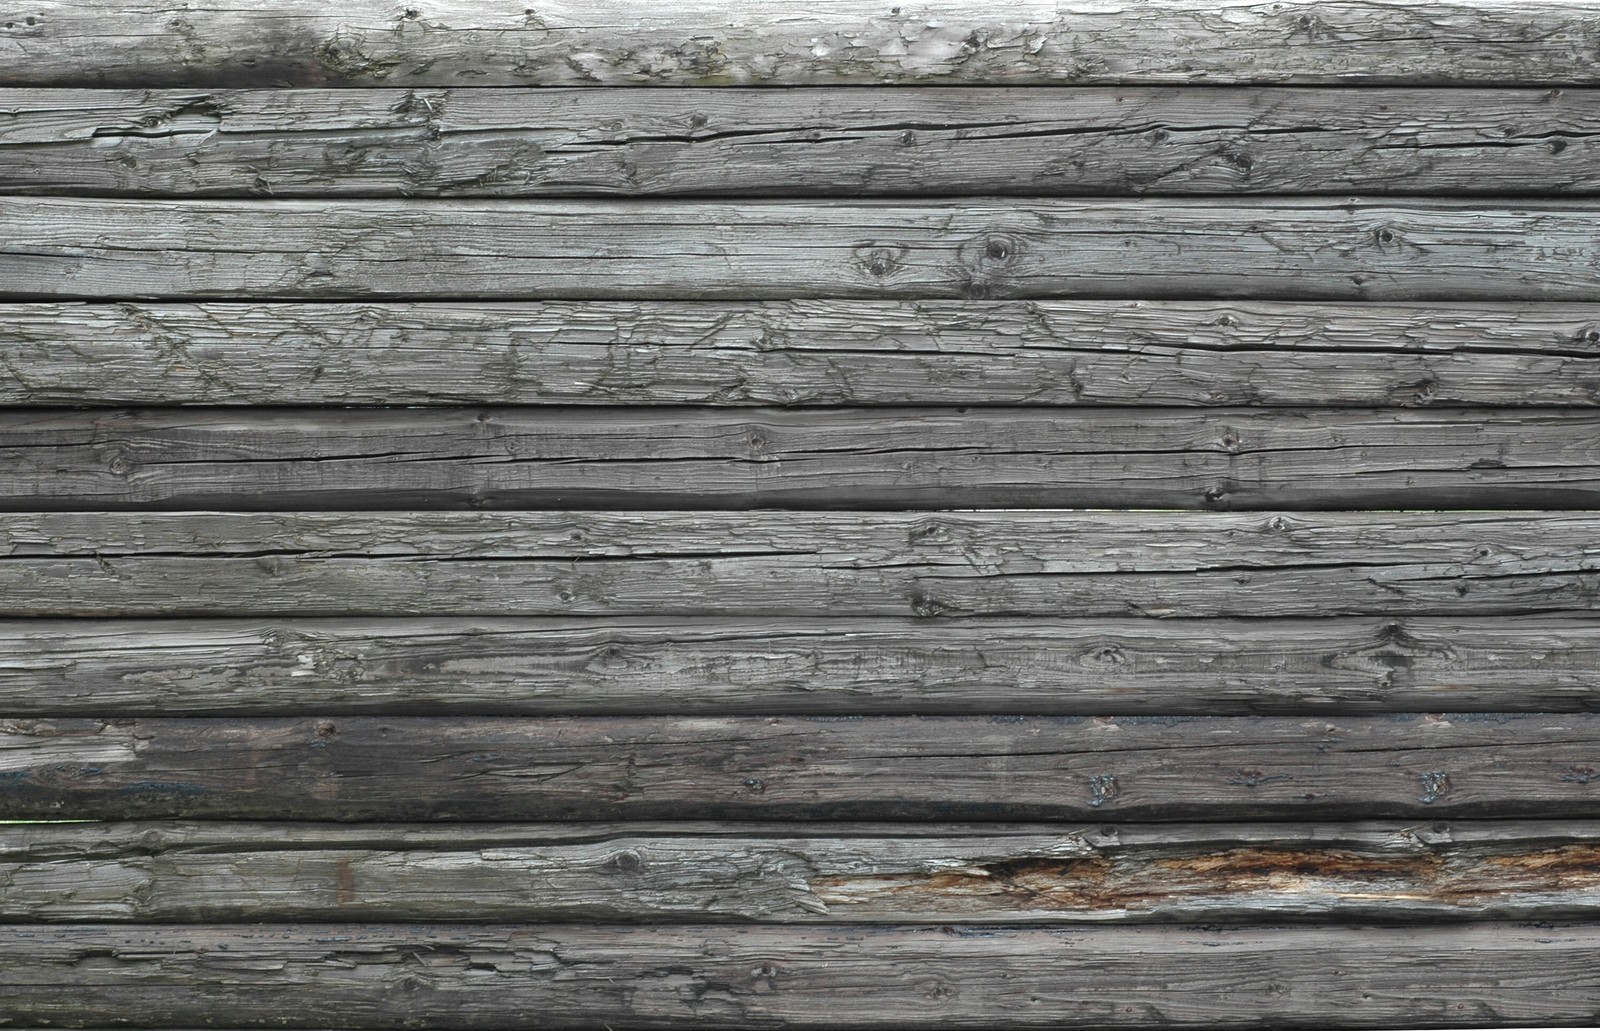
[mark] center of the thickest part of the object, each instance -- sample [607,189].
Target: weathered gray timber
[880,768]
[824,42]
[541,667]
[766,563]
[590,457]
[790,873]
[1287,249]
[801,353]
[850,141]
[354,976]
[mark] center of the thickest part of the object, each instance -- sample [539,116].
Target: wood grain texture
[835,141]
[839,666]
[281,459]
[827,42]
[768,563]
[825,352]
[441,976]
[880,768]
[783,873]
[1287,249]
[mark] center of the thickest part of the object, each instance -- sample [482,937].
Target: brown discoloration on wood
[330,250]
[345,893]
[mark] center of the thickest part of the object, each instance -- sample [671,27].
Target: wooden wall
[823,515]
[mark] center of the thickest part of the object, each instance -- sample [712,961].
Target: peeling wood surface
[882,768]
[834,141]
[283,459]
[765,563]
[782,873]
[825,352]
[815,666]
[1297,248]
[142,43]
[443,976]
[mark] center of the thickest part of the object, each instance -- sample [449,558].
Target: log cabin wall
[829,515]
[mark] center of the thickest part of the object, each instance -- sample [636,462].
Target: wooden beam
[141,43]
[766,563]
[816,666]
[465,977]
[880,768]
[824,352]
[1285,249]
[820,142]
[785,873]
[725,458]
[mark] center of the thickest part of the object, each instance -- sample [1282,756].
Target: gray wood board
[360,976]
[766,563]
[824,352]
[1287,249]
[815,666]
[280,459]
[834,141]
[880,768]
[787,873]
[824,42]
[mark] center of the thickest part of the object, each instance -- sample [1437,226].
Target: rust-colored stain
[1460,876]
[345,892]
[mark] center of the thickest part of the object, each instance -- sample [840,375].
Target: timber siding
[830,515]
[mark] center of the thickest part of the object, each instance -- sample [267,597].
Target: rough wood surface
[281,459]
[783,873]
[801,353]
[354,976]
[822,42]
[767,563]
[1305,249]
[880,768]
[573,667]
[858,142]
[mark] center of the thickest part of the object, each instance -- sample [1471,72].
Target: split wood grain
[881,768]
[769,563]
[826,352]
[783,873]
[363,976]
[282,459]
[141,43]
[834,141]
[1284,249]
[839,666]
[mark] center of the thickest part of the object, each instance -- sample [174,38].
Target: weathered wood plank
[444,976]
[842,141]
[782,873]
[726,458]
[766,563]
[800,353]
[880,768]
[826,42]
[1290,249]
[572,667]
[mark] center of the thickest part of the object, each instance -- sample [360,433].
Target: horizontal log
[880,768]
[442,976]
[574,667]
[1289,249]
[796,874]
[800,353]
[841,141]
[828,42]
[767,563]
[280,459]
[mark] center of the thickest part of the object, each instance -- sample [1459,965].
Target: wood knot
[880,261]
